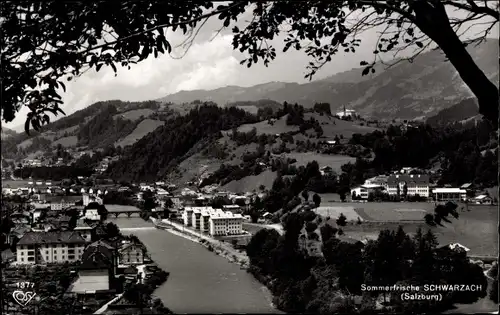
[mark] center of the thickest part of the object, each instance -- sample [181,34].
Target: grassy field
[476,229]
[66,142]
[68,130]
[263,127]
[334,212]
[334,161]
[146,126]
[252,109]
[135,114]
[251,183]
[333,126]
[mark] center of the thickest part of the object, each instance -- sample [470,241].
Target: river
[199,281]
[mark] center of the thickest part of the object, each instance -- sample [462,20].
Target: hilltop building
[346,113]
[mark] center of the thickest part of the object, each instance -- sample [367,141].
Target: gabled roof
[67,199]
[418,179]
[481,197]
[129,245]
[82,225]
[51,237]
[98,255]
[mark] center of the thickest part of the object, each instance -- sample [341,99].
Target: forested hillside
[103,130]
[152,156]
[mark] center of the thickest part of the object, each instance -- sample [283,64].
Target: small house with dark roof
[60,222]
[17,233]
[49,247]
[99,255]
[97,270]
[84,229]
[130,253]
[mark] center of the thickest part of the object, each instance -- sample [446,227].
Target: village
[58,223]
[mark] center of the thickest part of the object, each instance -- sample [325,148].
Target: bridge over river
[116,210]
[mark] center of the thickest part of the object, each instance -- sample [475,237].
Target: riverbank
[129,295]
[215,246]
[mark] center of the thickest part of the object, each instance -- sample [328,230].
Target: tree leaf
[365,71]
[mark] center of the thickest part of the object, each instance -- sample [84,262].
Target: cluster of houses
[49,240]
[216,222]
[405,184]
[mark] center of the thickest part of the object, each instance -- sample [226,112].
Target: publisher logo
[24,293]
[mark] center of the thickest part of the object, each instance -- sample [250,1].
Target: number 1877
[25,285]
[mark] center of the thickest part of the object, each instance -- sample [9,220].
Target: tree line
[331,282]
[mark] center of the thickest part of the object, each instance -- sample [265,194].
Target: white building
[417,184]
[377,180]
[196,219]
[62,202]
[92,215]
[483,200]
[214,221]
[346,113]
[88,198]
[49,247]
[226,224]
[449,194]
[365,190]
[187,215]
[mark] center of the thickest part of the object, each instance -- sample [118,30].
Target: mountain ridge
[405,91]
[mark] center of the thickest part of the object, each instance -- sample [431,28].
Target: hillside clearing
[334,161]
[135,114]
[146,126]
[251,183]
[66,142]
[252,109]
[263,127]
[69,130]
[333,126]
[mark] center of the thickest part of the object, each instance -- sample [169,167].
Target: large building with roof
[49,247]
[216,222]
[417,184]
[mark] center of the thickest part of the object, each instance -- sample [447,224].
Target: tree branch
[201,17]
[474,8]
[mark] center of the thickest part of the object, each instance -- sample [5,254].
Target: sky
[209,63]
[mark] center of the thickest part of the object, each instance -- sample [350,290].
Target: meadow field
[146,126]
[476,229]
[66,142]
[334,161]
